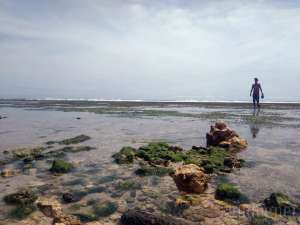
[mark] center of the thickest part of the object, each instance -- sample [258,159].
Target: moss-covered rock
[125,156]
[229,193]
[128,185]
[75,140]
[22,211]
[151,170]
[281,204]
[23,197]
[61,166]
[28,152]
[105,210]
[261,220]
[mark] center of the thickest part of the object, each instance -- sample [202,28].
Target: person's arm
[251,90]
[261,90]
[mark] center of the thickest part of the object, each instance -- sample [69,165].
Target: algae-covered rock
[125,156]
[281,204]
[28,152]
[229,193]
[75,140]
[190,179]
[260,220]
[106,209]
[22,197]
[61,166]
[128,185]
[22,211]
[153,170]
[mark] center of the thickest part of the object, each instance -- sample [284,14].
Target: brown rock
[190,179]
[49,206]
[221,135]
[9,173]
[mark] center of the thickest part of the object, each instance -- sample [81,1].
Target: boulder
[125,156]
[223,136]
[135,217]
[190,179]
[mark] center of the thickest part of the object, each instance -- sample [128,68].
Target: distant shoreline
[147,101]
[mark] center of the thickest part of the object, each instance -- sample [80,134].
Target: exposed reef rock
[190,179]
[221,135]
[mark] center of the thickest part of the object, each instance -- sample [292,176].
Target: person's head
[256,80]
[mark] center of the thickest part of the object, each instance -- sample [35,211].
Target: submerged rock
[75,140]
[260,220]
[50,207]
[66,220]
[22,211]
[281,204]
[69,198]
[61,166]
[190,179]
[125,156]
[23,197]
[222,136]
[28,152]
[135,217]
[153,171]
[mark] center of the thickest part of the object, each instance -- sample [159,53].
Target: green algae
[153,171]
[230,193]
[61,166]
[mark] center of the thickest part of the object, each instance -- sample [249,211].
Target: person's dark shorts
[256,98]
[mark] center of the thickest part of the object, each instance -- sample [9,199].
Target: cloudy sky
[149,49]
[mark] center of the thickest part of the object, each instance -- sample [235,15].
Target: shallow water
[273,153]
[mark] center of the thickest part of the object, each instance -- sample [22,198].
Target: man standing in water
[256,87]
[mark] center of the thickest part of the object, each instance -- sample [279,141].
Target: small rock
[69,198]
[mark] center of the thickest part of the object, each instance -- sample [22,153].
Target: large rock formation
[190,179]
[221,135]
[134,217]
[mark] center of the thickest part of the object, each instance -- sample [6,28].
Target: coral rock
[190,179]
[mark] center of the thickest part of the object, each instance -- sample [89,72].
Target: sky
[149,49]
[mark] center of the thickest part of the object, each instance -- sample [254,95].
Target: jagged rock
[190,179]
[281,204]
[222,136]
[135,217]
